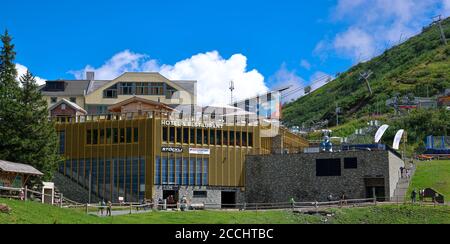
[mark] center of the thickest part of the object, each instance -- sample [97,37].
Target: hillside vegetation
[419,66]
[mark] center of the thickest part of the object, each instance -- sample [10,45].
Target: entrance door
[172,198]
[228,199]
[379,193]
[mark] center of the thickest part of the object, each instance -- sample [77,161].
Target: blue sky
[260,44]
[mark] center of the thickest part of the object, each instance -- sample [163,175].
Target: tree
[26,134]
[9,96]
[308,89]
[39,140]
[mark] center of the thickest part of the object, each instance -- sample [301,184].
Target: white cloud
[373,23]
[212,71]
[21,70]
[285,77]
[305,64]
[446,7]
[288,78]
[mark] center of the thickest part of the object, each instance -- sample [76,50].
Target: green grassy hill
[36,213]
[435,175]
[419,66]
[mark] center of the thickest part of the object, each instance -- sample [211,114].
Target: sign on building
[199,151]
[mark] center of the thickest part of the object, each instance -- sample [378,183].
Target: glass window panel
[102,136]
[164,134]
[179,136]
[199,137]
[198,169]
[136,135]
[115,136]
[89,137]
[250,139]
[225,138]
[94,175]
[186,135]
[212,139]
[128,177]
[185,172]
[172,134]
[129,135]
[231,138]
[205,136]
[244,139]
[108,136]
[135,174]
[179,172]
[95,136]
[171,171]
[142,178]
[219,137]
[165,179]
[101,174]
[122,135]
[238,138]
[158,171]
[192,136]
[205,172]
[192,172]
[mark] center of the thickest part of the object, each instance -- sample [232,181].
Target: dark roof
[18,168]
[73,88]
[95,85]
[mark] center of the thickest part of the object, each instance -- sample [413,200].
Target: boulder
[5,209]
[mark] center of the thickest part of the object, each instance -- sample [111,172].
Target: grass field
[434,174]
[36,213]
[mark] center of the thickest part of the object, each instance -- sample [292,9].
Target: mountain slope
[420,66]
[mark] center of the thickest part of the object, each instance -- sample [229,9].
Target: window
[164,134]
[108,136]
[73,99]
[170,91]
[89,137]
[200,194]
[62,141]
[225,138]
[63,106]
[164,171]
[95,136]
[179,136]
[140,88]
[185,135]
[198,170]
[238,138]
[328,167]
[205,136]
[192,136]
[102,136]
[172,134]
[219,137]
[179,172]
[110,92]
[115,135]
[171,171]
[126,88]
[199,136]
[231,138]
[158,171]
[350,163]
[244,139]
[136,135]
[185,172]
[192,172]
[250,139]
[129,135]
[205,172]
[54,100]
[212,139]
[122,135]
[157,89]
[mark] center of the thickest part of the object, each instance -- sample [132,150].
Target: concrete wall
[278,178]
[394,172]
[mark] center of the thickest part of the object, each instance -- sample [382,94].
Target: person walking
[413,196]
[108,209]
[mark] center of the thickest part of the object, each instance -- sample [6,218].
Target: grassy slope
[32,213]
[435,174]
[411,67]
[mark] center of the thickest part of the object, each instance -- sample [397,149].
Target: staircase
[402,187]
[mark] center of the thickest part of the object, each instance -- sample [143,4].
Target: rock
[5,209]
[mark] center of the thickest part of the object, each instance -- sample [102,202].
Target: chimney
[90,75]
